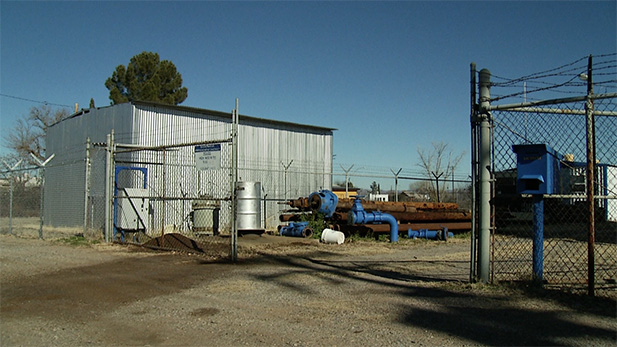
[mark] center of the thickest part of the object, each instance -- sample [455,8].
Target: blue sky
[390,76]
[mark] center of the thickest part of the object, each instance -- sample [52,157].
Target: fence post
[41,165]
[590,174]
[109,182]
[87,185]
[396,183]
[11,183]
[234,185]
[474,171]
[485,177]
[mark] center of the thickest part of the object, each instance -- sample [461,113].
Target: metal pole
[42,174]
[109,181]
[286,167]
[11,180]
[538,237]
[474,169]
[347,179]
[234,179]
[164,201]
[42,165]
[485,177]
[396,183]
[590,175]
[437,183]
[453,193]
[87,185]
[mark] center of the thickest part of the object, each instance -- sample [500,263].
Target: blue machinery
[358,215]
[325,202]
[537,173]
[429,234]
[296,229]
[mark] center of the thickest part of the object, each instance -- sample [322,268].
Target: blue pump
[324,202]
[358,215]
[296,229]
[429,234]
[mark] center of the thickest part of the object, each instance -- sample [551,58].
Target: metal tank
[248,199]
[205,217]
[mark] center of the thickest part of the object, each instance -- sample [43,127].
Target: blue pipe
[358,215]
[297,229]
[429,234]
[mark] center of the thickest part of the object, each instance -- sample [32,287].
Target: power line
[35,101]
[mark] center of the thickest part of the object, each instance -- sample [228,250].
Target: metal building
[289,159]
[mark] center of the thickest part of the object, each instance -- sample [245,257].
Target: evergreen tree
[146,78]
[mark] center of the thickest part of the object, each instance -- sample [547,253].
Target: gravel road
[281,293]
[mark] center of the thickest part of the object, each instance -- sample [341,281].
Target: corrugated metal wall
[264,147]
[65,174]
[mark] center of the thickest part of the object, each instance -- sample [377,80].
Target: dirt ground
[282,292]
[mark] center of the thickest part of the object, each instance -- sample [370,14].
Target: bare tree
[28,134]
[438,163]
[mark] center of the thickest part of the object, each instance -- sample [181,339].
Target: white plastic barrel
[332,236]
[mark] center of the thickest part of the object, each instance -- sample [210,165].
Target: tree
[438,163]
[28,135]
[146,78]
[375,188]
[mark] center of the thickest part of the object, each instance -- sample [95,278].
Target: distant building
[378,197]
[342,193]
[413,196]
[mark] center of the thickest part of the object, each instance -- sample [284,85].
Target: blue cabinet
[537,169]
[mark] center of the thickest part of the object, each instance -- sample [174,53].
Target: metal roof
[223,115]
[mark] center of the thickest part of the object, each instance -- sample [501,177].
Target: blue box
[537,169]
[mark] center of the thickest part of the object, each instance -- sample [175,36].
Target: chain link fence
[570,250]
[21,202]
[20,192]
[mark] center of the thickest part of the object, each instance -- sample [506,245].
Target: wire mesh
[162,200]
[562,126]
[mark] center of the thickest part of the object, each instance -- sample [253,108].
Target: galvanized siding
[263,146]
[65,175]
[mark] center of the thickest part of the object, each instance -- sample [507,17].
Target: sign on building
[208,157]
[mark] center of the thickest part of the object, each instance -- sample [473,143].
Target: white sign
[208,157]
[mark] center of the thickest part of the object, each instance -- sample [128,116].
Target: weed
[317,223]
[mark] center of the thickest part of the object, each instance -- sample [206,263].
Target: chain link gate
[159,197]
[578,251]
[149,207]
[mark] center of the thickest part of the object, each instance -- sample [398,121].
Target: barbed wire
[563,79]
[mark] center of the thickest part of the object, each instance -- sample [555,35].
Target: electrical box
[537,169]
[133,207]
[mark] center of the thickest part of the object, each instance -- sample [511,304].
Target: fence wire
[562,126]
[163,201]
